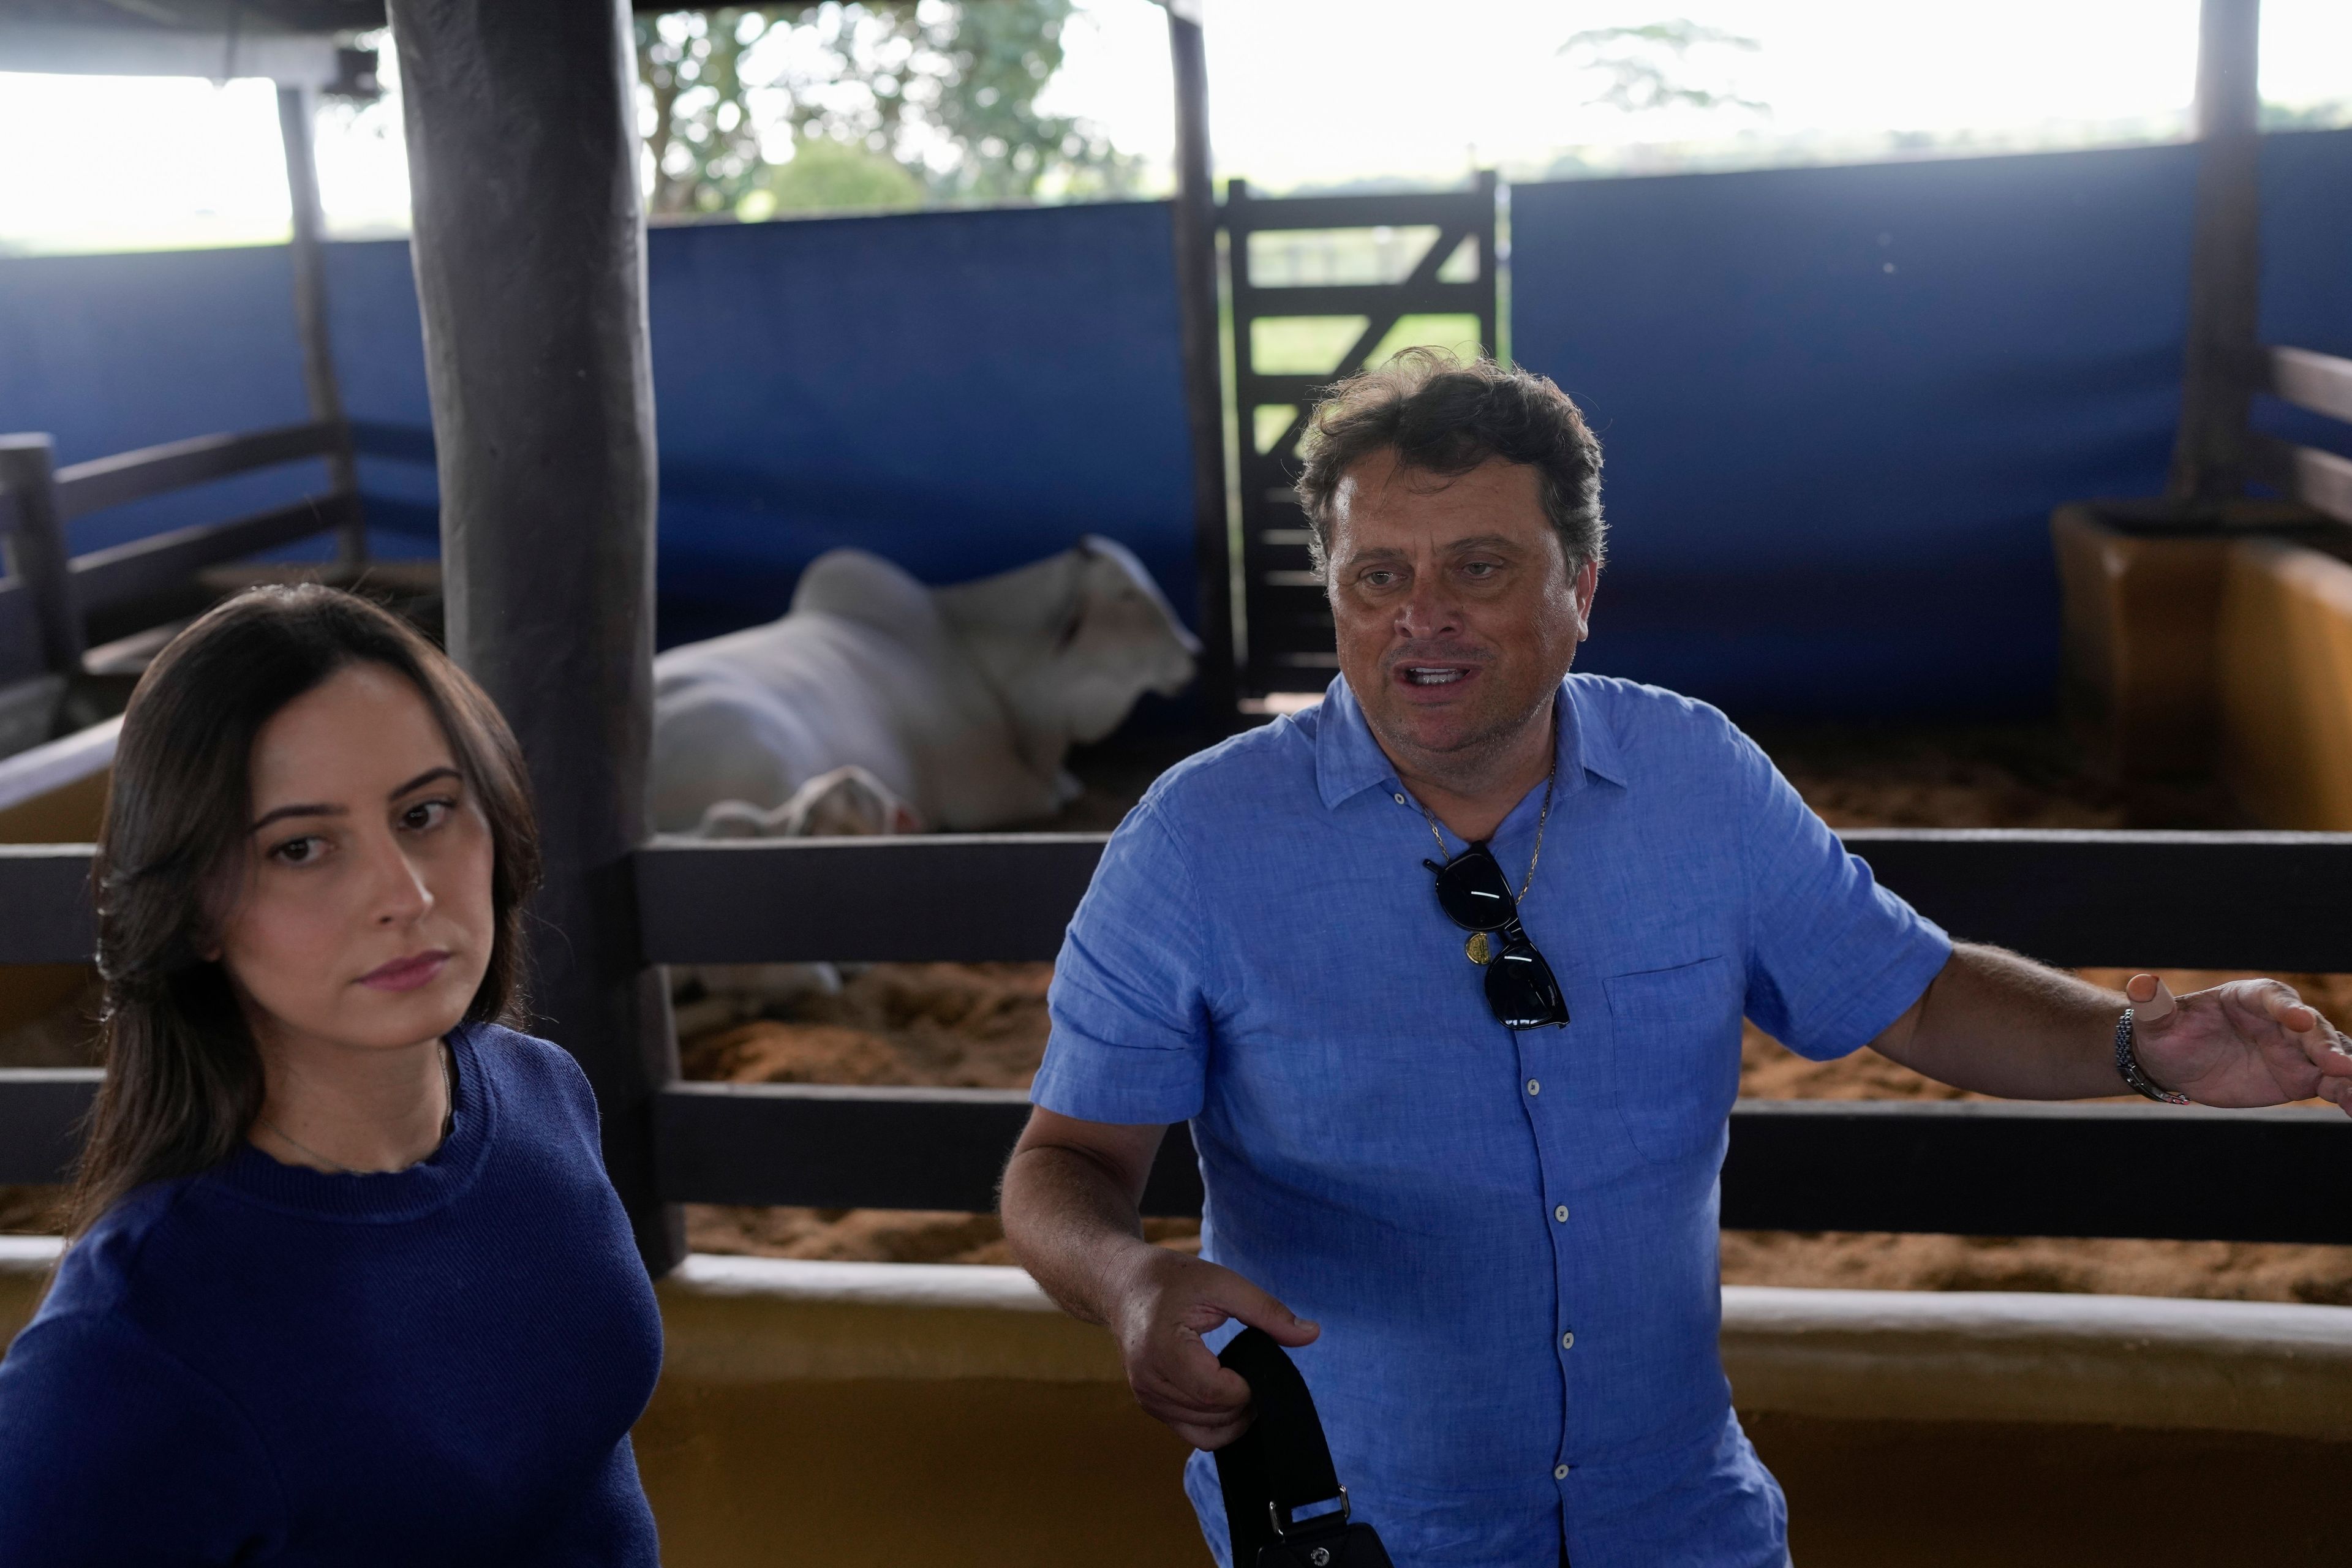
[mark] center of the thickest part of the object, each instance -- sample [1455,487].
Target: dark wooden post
[531,266]
[36,549]
[2209,457]
[296,105]
[1204,399]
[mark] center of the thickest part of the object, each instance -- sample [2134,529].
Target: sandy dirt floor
[983,1026]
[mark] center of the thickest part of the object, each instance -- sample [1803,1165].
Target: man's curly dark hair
[1443,417]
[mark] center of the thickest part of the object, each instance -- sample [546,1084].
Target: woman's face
[361,913]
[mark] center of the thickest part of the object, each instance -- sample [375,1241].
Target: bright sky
[1301,92]
[1309,92]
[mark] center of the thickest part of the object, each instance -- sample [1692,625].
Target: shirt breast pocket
[1675,1049]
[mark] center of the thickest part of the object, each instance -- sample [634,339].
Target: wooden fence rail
[2320,382]
[2216,901]
[1961,1168]
[2323,384]
[85,488]
[46,597]
[2225,900]
[142,568]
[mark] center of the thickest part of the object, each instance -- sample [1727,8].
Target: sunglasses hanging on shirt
[1521,990]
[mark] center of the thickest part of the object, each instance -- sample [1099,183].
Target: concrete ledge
[2283,684]
[28,1254]
[2254,1367]
[2224,648]
[2138,618]
[706,1275]
[750,1321]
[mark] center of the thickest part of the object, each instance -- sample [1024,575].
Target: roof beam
[289,59]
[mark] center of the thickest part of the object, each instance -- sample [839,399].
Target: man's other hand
[2247,1042]
[1166,1304]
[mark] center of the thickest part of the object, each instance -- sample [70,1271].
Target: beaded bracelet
[2127,1065]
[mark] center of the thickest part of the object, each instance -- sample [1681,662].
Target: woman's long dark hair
[183,1080]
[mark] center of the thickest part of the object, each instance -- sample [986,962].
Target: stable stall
[870,1414]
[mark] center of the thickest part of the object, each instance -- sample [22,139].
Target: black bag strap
[1282,1463]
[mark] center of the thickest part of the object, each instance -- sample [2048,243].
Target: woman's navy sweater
[264,1363]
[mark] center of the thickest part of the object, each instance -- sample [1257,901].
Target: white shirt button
[1534,1088]
[1561,1213]
[1559,1472]
[1568,1341]
[1399,800]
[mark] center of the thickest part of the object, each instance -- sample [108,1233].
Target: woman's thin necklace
[448,1115]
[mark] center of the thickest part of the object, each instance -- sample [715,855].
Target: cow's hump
[858,585]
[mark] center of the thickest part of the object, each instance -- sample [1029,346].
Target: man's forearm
[1072,1226]
[1995,1023]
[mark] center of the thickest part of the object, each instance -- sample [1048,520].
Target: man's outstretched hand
[2247,1042]
[1164,1306]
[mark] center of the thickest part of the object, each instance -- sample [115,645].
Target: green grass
[1268,421]
[1302,345]
[1457,334]
[1311,345]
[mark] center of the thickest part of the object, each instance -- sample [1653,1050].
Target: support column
[1204,401]
[296,107]
[2209,457]
[36,549]
[530,256]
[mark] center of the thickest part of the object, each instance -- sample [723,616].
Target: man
[1507,1235]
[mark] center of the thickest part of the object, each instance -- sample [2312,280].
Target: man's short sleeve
[1129,1004]
[1832,957]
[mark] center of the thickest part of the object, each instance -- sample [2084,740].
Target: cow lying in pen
[847,803]
[876,705]
[962,702]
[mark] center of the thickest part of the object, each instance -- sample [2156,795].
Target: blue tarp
[112,353]
[1838,405]
[1830,481]
[959,390]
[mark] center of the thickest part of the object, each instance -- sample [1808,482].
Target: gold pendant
[1478,950]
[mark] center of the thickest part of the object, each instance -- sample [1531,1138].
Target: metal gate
[1310,293]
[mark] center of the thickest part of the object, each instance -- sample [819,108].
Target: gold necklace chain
[449,1114]
[1542,816]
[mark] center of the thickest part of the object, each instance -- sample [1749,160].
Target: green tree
[1639,66]
[868,103]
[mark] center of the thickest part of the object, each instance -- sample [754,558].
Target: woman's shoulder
[89,1401]
[511,1053]
[104,1268]
[535,1080]
[92,1339]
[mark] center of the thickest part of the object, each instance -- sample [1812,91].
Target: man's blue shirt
[1510,1240]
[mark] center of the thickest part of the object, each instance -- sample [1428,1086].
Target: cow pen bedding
[983,1026]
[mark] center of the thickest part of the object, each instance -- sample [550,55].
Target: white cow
[961,702]
[847,803]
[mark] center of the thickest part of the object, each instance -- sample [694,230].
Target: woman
[348,1285]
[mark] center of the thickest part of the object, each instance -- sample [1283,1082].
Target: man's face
[1457,612]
